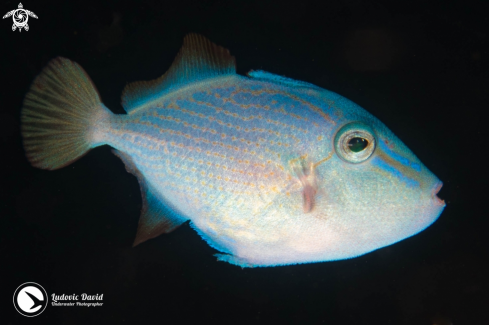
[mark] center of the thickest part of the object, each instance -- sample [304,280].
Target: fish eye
[355,142]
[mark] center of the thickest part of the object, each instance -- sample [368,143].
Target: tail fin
[59,115]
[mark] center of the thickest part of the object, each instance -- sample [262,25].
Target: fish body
[269,170]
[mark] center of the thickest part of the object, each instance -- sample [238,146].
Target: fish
[268,170]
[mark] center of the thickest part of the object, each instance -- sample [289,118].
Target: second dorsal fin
[198,59]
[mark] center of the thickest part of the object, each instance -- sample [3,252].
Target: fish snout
[434,191]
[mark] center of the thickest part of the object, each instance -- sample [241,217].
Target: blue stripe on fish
[378,162]
[394,155]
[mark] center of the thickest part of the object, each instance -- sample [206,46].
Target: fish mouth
[434,193]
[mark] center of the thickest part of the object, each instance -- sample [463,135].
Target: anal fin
[157,216]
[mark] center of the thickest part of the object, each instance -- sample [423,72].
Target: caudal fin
[59,115]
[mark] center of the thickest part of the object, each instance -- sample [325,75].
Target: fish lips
[434,191]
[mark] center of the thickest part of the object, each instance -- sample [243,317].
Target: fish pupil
[357,144]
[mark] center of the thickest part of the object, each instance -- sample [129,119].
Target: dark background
[421,67]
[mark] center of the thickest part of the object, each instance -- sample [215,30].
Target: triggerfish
[268,170]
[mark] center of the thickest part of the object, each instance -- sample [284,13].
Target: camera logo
[30,299]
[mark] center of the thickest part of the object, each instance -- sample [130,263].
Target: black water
[420,67]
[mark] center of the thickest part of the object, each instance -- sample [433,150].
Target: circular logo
[30,299]
[20,17]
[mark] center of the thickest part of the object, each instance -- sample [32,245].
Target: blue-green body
[253,163]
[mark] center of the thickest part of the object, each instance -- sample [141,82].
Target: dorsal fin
[270,77]
[198,59]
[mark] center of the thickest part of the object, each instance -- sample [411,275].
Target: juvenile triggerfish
[269,170]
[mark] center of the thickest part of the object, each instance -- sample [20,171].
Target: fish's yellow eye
[355,142]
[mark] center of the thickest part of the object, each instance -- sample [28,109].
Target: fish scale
[268,170]
[227,155]
[229,161]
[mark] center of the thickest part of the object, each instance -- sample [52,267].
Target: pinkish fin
[198,59]
[309,187]
[59,115]
[157,217]
[308,196]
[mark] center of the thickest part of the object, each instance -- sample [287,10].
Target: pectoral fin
[307,178]
[308,197]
